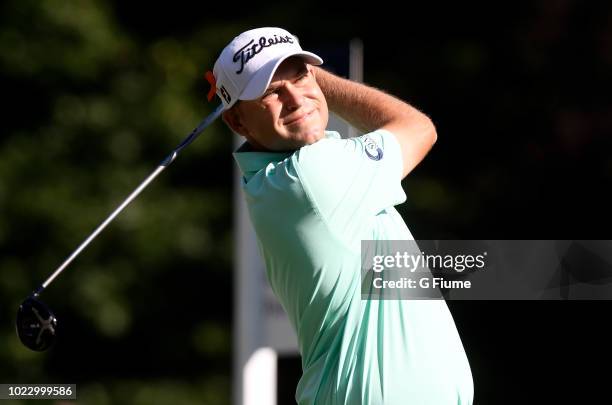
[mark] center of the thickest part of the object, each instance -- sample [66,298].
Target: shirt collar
[250,161]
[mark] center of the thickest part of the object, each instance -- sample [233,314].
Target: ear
[312,69]
[233,120]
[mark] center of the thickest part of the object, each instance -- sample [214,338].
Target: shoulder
[334,150]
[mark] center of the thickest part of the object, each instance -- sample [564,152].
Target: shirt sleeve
[352,179]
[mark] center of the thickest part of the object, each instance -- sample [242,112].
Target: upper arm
[416,135]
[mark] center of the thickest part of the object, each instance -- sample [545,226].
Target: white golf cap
[246,66]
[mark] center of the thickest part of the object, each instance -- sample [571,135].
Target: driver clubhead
[36,325]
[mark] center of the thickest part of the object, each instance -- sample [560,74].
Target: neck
[255,146]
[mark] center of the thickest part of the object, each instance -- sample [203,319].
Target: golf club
[36,324]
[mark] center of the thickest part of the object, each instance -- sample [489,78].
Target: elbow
[432,134]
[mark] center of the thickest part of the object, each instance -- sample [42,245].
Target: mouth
[299,119]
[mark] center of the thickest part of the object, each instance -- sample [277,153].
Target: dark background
[95,93]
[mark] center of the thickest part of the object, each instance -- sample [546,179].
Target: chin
[308,140]
[313,136]
[295,140]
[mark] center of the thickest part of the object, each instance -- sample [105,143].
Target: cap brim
[261,80]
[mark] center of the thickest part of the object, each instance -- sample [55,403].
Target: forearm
[364,107]
[369,109]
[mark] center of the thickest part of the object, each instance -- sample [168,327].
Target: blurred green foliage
[96,93]
[145,311]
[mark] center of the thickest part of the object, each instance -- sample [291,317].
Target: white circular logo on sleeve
[372,149]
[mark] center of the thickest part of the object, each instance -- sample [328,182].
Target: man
[312,198]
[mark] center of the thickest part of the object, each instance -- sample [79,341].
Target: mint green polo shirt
[310,209]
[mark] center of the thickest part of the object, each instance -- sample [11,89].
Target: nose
[292,97]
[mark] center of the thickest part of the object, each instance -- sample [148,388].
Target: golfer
[313,197]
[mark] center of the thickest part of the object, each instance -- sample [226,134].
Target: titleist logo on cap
[247,64]
[247,52]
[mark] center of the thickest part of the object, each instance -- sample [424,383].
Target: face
[290,114]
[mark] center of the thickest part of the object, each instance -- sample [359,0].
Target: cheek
[323,102]
[314,92]
[260,118]
[323,110]
[317,94]
[269,110]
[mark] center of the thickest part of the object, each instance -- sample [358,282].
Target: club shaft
[165,163]
[100,228]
